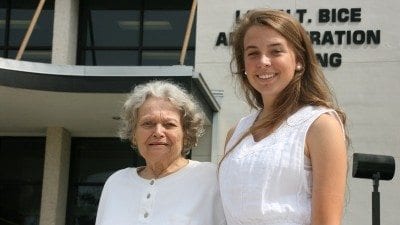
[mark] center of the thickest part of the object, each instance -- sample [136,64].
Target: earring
[298,67]
[133,141]
[245,73]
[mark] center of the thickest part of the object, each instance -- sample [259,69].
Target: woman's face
[269,59]
[159,132]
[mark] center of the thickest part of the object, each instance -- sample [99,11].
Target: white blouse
[189,196]
[269,181]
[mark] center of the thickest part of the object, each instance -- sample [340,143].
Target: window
[146,32]
[93,160]
[3,13]
[15,17]
[21,176]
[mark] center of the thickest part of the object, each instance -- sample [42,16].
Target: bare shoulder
[326,123]
[326,133]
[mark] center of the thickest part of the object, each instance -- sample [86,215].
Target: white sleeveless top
[269,182]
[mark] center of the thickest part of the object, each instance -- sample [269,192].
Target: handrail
[30,29]
[187,33]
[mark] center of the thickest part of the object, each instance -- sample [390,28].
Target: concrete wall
[366,84]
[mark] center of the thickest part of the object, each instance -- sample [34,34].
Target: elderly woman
[163,122]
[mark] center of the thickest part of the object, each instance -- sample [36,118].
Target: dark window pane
[21,159]
[111,58]
[30,4]
[113,28]
[166,57]
[172,4]
[2,23]
[21,174]
[84,202]
[111,5]
[20,204]
[165,28]
[146,32]
[42,33]
[43,56]
[94,159]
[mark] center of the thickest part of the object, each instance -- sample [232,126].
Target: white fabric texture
[269,181]
[189,196]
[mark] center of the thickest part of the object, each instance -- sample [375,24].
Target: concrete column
[216,152]
[65,32]
[217,140]
[55,177]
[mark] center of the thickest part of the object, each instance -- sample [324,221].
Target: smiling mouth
[266,76]
[157,144]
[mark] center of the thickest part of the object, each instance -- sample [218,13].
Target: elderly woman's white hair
[192,116]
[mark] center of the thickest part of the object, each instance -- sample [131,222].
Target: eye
[170,125]
[147,123]
[276,51]
[253,53]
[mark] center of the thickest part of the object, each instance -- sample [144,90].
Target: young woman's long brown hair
[308,86]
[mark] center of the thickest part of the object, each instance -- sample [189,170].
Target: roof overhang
[83,99]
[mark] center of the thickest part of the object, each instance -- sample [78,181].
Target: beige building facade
[68,101]
[358,45]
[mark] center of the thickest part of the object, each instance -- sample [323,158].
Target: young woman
[286,162]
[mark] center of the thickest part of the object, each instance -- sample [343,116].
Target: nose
[159,131]
[264,61]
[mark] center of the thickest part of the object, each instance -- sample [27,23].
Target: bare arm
[326,147]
